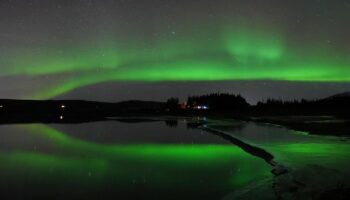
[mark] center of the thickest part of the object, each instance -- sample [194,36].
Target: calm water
[148,159]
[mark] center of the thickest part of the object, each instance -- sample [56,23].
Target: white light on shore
[63,106]
[61,117]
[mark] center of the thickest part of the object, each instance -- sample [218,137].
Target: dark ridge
[340,95]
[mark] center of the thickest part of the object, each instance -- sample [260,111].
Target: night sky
[152,49]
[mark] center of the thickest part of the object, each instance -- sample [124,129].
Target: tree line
[337,105]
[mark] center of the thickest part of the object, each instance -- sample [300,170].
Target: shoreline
[290,182]
[314,125]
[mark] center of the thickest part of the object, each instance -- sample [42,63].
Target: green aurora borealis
[198,44]
[239,56]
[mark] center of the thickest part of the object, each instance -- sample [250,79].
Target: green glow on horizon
[234,53]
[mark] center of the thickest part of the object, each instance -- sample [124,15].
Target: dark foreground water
[149,159]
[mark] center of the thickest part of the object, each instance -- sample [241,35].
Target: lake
[152,158]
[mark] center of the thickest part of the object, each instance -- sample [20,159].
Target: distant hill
[340,95]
